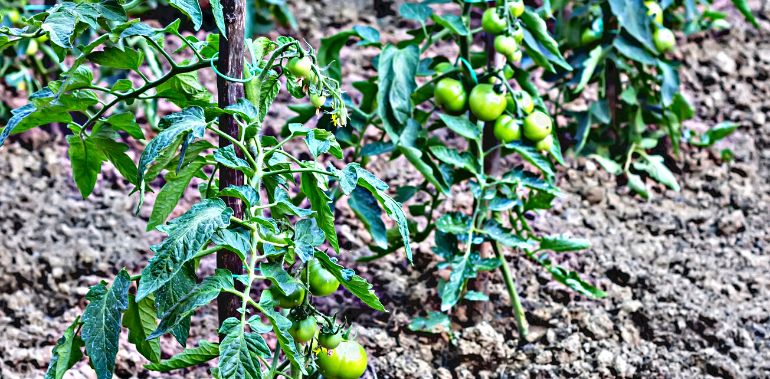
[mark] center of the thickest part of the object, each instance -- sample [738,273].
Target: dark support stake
[231,64]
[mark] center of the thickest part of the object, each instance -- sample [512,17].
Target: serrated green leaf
[320,203]
[531,155]
[140,321]
[239,353]
[66,353]
[237,240]
[86,161]
[281,326]
[365,206]
[505,236]
[713,135]
[307,236]
[537,27]
[227,157]
[201,295]
[634,21]
[653,165]
[454,223]
[192,9]
[246,193]
[101,323]
[357,285]
[205,352]
[172,293]
[279,277]
[172,191]
[454,158]
[187,234]
[461,126]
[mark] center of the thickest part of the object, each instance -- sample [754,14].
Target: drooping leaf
[396,69]
[461,126]
[192,9]
[205,352]
[101,323]
[201,295]
[320,203]
[365,206]
[633,20]
[140,321]
[67,352]
[86,161]
[713,135]
[187,234]
[227,157]
[654,166]
[435,322]
[172,293]
[357,285]
[237,240]
[281,326]
[454,158]
[172,191]
[539,30]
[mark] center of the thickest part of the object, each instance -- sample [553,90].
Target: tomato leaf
[366,208]
[205,352]
[86,160]
[227,157]
[464,160]
[560,244]
[192,9]
[171,293]
[396,69]
[101,322]
[187,234]
[140,321]
[434,323]
[461,126]
[66,353]
[718,132]
[531,155]
[172,191]
[633,21]
[321,204]
[538,29]
[357,285]
[281,326]
[653,165]
[201,295]
[239,352]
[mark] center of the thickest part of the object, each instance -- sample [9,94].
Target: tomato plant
[269,210]
[628,57]
[483,96]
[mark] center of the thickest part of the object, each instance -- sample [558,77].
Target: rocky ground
[685,273]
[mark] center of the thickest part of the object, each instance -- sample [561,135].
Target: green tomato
[507,129]
[443,67]
[32,48]
[321,281]
[516,7]
[508,72]
[329,341]
[303,330]
[14,17]
[537,126]
[317,100]
[300,67]
[545,144]
[505,45]
[486,103]
[525,102]
[289,300]
[518,35]
[654,11]
[514,57]
[450,95]
[347,361]
[664,40]
[492,23]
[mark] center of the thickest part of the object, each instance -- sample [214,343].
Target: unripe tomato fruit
[508,72]
[654,11]
[516,7]
[450,95]
[545,144]
[506,129]
[514,57]
[518,35]
[320,280]
[525,102]
[14,17]
[492,23]
[290,300]
[486,103]
[303,330]
[664,40]
[443,67]
[330,341]
[317,100]
[300,67]
[537,126]
[32,48]
[347,361]
[505,45]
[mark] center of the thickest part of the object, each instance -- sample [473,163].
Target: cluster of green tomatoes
[337,356]
[489,102]
[302,68]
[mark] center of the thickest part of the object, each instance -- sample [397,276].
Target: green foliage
[274,237]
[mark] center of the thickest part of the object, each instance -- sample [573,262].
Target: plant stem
[510,284]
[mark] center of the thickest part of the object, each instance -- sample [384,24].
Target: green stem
[148,86]
[298,170]
[237,143]
[510,284]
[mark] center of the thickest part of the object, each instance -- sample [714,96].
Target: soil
[685,273]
